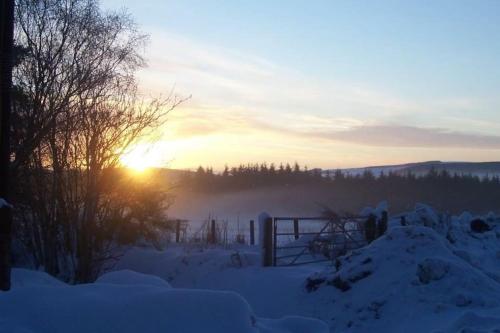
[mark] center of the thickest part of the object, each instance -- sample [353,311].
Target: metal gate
[306,240]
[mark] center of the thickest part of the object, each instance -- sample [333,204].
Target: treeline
[343,191]
[249,176]
[259,175]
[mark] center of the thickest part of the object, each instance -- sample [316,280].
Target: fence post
[213,238]
[403,220]
[296,228]
[178,231]
[382,224]
[266,239]
[274,242]
[252,232]
[371,228]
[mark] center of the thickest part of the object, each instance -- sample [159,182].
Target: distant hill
[480,169]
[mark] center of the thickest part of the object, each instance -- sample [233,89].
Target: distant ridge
[480,169]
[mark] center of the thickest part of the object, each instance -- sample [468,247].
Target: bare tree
[71,50]
[77,111]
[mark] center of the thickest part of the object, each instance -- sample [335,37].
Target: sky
[328,84]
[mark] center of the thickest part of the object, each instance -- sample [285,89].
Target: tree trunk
[6,62]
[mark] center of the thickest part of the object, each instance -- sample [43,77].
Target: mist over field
[311,198]
[248,204]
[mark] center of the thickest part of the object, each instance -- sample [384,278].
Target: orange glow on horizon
[141,158]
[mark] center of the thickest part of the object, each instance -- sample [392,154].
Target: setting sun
[141,157]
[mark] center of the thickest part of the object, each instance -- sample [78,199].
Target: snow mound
[129,302]
[381,207]
[423,215]
[479,249]
[411,272]
[272,292]
[187,264]
[28,278]
[128,277]
[112,308]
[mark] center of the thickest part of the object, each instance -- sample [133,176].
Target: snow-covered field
[432,275]
[130,302]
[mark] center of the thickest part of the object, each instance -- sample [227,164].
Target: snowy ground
[432,275]
[275,292]
[130,302]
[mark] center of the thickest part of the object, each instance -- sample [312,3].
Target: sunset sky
[325,83]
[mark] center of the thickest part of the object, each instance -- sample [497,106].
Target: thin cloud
[249,95]
[408,136]
[208,121]
[229,78]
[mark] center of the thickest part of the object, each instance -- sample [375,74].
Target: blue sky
[364,82]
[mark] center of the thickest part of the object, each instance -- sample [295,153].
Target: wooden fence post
[382,224]
[252,232]
[213,238]
[296,228]
[274,242]
[266,239]
[371,228]
[178,231]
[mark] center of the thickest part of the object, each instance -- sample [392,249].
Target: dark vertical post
[403,220]
[371,228]
[212,233]
[268,243]
[382,224]
[275,243]
[296,228]
[252,232]
[178,231]
[6,63]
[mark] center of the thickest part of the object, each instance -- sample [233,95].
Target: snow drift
[125,302]
[433,275]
